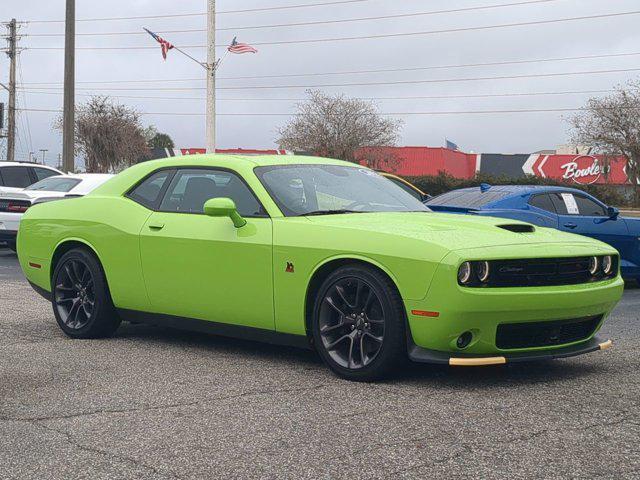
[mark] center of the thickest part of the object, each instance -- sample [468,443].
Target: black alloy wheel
[81,301]
[352,323]
[358,323]
[74,294]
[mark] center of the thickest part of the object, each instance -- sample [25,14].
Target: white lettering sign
[572,170]
[570,203]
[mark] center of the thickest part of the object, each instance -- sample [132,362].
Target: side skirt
[41,291]
[216,328]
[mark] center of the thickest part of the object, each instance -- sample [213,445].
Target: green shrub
[443,182]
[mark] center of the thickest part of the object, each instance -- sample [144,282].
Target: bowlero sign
[580,169]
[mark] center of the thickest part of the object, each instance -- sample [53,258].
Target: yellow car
[408,187]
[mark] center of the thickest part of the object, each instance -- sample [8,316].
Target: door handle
[156,226]
[570,225]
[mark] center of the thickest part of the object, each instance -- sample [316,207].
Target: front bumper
[449,310]
[422,355]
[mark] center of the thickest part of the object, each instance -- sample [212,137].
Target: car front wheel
[81,301]
[359,323]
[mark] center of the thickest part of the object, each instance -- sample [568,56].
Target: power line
[277,114]
[367,84]
[319,22]
[415,97]
[379,36]
[24,101]
[355,72]
[200,14]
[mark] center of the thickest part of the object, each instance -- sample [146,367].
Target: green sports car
[317,253]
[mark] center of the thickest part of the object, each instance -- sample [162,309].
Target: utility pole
[44,151]
[211,76]
[11,111]
[68,116]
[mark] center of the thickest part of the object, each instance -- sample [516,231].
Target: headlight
[464,273]
[482,270]
[607,264]
[593,265]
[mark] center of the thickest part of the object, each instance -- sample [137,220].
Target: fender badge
[289,268]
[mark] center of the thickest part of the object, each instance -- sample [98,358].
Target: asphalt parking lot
[155,403]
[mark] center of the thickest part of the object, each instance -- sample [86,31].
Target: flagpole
[211,77]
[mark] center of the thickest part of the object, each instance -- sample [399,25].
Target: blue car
[563,208]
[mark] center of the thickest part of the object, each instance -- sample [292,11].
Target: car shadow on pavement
[410,373]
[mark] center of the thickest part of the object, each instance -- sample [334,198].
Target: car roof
[254,160]
[523,189]
[27,164]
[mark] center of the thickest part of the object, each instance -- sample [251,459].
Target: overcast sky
[497,132]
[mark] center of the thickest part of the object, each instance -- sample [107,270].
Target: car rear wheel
[81,301]
[359,323]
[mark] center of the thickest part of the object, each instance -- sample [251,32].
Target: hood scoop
[518,227]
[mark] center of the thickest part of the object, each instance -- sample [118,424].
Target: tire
[80,297]
[11,244]
[358,323]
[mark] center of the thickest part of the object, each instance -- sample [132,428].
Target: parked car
[18,175]
[15,202]
[315,252]
[407,186]
[566,209]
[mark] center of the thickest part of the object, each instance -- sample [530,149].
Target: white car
[14,176]
[15,202]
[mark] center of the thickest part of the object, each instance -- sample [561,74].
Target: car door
[202,267]
[578,213]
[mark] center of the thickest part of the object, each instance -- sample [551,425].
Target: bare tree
[338,127]
[110,136]
[611,125]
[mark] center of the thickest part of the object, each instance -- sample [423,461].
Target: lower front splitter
[423,355]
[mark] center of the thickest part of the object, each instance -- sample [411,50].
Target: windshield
[332,189]
[55,184]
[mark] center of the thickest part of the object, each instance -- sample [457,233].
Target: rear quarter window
[149,191]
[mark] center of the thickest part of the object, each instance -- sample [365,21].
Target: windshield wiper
[329,212]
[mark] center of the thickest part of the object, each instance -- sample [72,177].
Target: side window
[17,177]
[589,208]
[544,202]
[148,192]
[42,173]
[559,203]
[191,188]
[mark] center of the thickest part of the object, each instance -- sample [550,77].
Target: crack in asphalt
[107,453]
[468,449]
[148,408]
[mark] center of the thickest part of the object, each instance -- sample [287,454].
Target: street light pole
[68,116]
[211,77]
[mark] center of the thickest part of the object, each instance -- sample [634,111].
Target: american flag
[239,48]
[164,45]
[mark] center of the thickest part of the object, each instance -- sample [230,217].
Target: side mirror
[613,212]
[224,207]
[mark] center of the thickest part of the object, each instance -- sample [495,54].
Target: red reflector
[12,207]
[35,265]
[423,313]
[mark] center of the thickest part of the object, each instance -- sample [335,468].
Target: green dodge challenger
[317,253]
